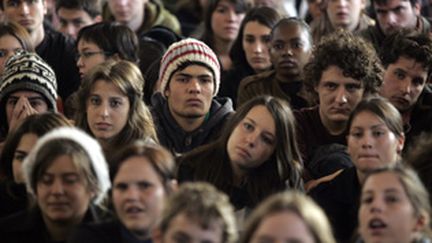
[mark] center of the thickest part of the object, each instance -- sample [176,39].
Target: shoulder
[257,79]
[97,232]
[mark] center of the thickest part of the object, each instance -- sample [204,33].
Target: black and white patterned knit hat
[27,71]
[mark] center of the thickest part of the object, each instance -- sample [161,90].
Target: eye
[71,179]
[46,179]
[12,101]
[94,100]
[278,46]
[206,80]
[400,75]
[330,86]
[182,79]
[221,9]
[20,156]
[265,38]
[366,199]
[121,186]
[391,198]
[36,103]
[248,126]
[378,133]
[143,185]
[356,134]
[267,140]
[114,103]
[352,87]
[3,53]
[250,39]
[418,82]
[297,45]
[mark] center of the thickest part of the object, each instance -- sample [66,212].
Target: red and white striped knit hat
[191,50]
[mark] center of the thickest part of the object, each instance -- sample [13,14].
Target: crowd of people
[217,121]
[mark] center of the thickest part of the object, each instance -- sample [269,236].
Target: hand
[21,110]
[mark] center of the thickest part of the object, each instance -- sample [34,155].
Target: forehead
[409,64]
[192,226]
[26,93]
[195,69]
[72,13]
[288,31]
[8,40]
[383,181]
[87,44]
[256,27]
[335,74]
[391,3]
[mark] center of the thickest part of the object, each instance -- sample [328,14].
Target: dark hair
[282,169]
[207,37]
[293,20]
[38,124]
[113,39]
[353,55]
[92,7]
[381,2]
[409,44]
[265,16]
[159,158]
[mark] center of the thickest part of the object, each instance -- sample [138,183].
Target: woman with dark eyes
[17,146]
[375,140]
[111,107]
[249,53]
[255,156]
[142,176]
[67,175]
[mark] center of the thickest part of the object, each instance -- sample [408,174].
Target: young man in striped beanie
[185,109]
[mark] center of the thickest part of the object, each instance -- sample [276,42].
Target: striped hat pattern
[191,50]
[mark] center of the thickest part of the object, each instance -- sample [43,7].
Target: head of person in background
[29,14]
[104,41]
[375,136]
[13,38]
[257,149]
[394,207]
[290,48]
[197,212]
[76,14]
[250,51]
[407,59]
[345,68]
[394,15]
[288,217]
[28,86]
[110,105]
[221,27]
[143,176]
[68,176]
[16,148]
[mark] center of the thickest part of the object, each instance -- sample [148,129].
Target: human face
[185,229]
[403,83]
[345,13]
[9,45]
[36,100]
[107,110]
[72,20]
[255,38]
[138,196]
[190,92]
[253,140]
[395,15]
[26,143]
[386,213]
[90,55]
[338,95]
[28,13]
[61,193]
[282,227]
[125,11]
[225,21]
[290,50]
[371,144]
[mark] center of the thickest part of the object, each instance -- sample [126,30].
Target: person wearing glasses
[103,41]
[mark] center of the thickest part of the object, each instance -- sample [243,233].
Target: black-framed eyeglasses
[88,54]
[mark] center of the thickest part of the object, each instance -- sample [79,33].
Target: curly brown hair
[356,57]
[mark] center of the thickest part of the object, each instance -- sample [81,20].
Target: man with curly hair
[345,68]
[407,59]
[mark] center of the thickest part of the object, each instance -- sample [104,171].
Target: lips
[367,156]
[133,211]
[344,111]
[289,63]
[103,126]
[25,22]
[376,226]
[243,152]
[194,102]
[258,59]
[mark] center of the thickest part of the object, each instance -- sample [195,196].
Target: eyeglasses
[88,54]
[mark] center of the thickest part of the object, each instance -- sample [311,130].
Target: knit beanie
[27,71]
[191,50]
[92,148]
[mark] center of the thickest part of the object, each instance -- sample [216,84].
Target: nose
[251,139]
[132,192]
[104,109]
[391,18]
[341,95]
[376,205]
[366,141]
[57,187]
[342,3]
[70,30]
[194,86]
[120,2]
[258,47]
[24,8]
[405,86]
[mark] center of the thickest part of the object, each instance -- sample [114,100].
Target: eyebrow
[190,76]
